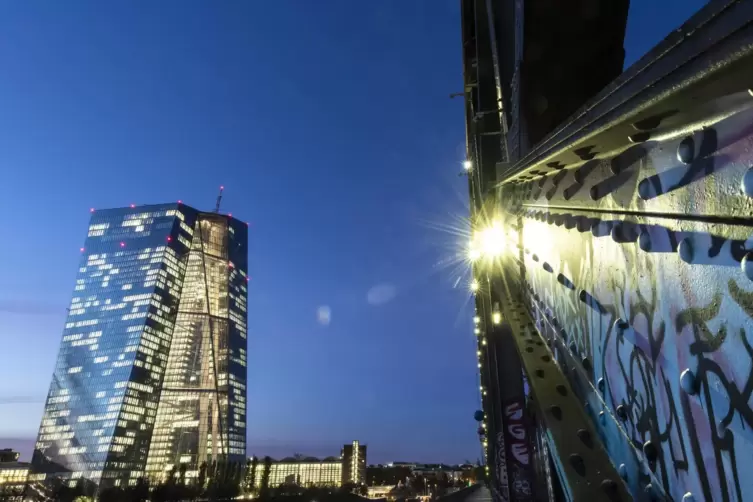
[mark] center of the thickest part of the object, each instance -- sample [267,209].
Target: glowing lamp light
[133,205]
[483,342]
[122,244]
[230,264]
[82,250]
[477,331]
[474,286]
[476,319]
[91,210]
[478,352]
[467,165]
[222,187]
[491,240]
[496,318]
[169,238]
[230,214]
[180,202]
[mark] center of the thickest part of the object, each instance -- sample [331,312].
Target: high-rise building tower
[354,463]
[151,371]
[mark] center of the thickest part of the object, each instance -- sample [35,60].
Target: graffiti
[502,480]
[518,450]
[656,313]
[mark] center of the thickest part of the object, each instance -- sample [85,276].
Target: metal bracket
[582,464]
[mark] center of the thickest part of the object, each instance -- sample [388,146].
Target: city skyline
[343,181]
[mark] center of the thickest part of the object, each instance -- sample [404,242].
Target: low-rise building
[13,477]
[349,467]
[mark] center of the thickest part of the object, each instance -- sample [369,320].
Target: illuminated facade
[354,463]
[304,472]
[136,327]
[349,467]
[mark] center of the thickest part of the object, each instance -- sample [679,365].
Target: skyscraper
[151,371]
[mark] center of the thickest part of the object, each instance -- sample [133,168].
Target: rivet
[747,265]
[645,189]
[546,358]
[622,470]
[686,150]
[649,490]
[535,257]
[561,390]
[688,382]
[688,497]
[644,241]
[602,417]
[620,325]
[610,488]
[593,192]
[529,349]
[617,233]
[582,295]
[547,267]
[601,384]
[556,411]
[649,449]
[585,437]
[578,464]
[621,412]
[685,250]
[747,182]
[539,372]
[639,137]
[586,364]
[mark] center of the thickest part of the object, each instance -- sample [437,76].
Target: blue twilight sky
[329,123]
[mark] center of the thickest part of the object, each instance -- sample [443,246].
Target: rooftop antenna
[219,199]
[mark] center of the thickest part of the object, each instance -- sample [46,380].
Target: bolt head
[600,383]
[620,325]
[688,497]
[621,412]
[622,470]
[747,183]
[747,265]
[650,451]
[686,150]
[688,382]
[644,241]
[686,251]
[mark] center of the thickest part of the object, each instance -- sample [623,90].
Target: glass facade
[118,342]
[305,473]
[202,412]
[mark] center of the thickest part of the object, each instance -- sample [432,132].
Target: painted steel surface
[640,262]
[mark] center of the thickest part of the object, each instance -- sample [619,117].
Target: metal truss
[626,286]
